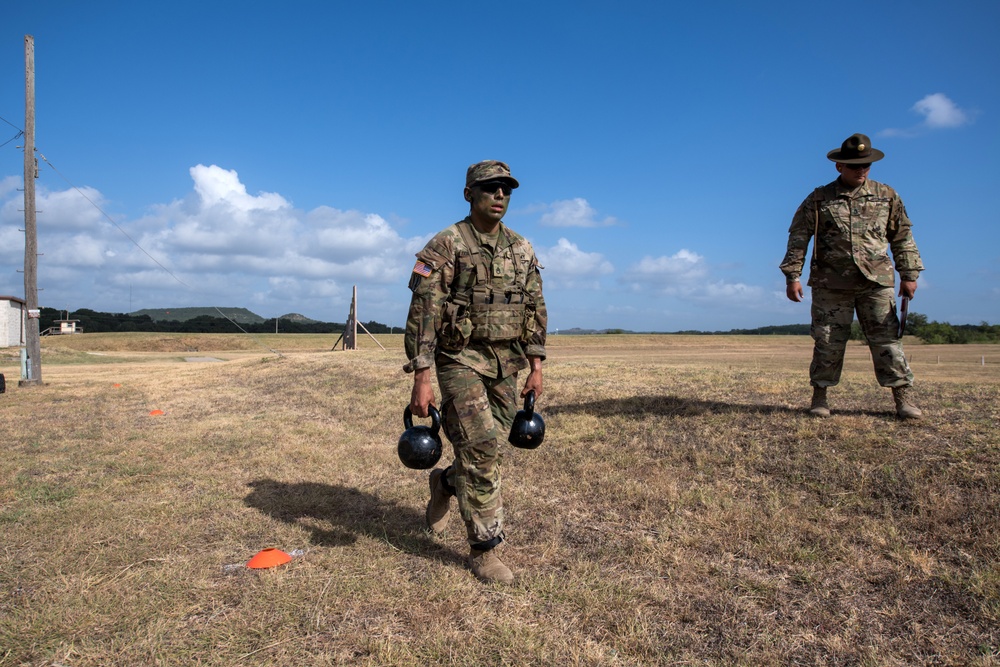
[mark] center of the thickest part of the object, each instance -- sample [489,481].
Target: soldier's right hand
[422,396]
[794,291]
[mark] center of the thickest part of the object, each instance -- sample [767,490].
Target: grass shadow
[350,512]
[888,413]
[678,406]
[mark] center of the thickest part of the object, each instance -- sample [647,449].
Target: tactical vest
[484,308]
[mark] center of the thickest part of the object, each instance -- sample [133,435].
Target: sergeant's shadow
[350,512]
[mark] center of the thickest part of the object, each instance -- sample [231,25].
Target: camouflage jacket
[854,229]
[446,267]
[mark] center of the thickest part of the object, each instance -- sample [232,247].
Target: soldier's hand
[422,396]
[907,288]
[794,291]
[534,381]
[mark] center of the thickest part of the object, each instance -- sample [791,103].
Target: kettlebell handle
[435,418]
[529,403]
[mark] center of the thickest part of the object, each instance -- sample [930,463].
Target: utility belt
[486,314]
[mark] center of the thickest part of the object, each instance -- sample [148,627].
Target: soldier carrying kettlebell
[477,315]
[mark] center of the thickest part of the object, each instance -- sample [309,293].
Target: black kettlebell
[528,429]
[420,446]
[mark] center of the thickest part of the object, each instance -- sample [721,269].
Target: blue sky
[273,155]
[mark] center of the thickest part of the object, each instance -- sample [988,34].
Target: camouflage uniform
[463,313]
[851,271]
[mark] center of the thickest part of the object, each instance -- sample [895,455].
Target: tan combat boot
[440,502]
[488,567]
[819,407]
[905,409]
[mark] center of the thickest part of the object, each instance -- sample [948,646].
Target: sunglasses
[858,167]
[492,186]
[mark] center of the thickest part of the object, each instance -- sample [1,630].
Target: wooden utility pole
[33,362]
[350,333]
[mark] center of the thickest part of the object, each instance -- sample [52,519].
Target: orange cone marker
[268,558]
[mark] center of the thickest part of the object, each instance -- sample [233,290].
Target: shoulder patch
[422,269]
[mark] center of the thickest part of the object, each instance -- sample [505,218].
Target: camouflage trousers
[477,413]
[832,313]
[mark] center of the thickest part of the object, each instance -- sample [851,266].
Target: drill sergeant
[852,221]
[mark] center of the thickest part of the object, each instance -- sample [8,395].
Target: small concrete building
[65,327]
[13,312]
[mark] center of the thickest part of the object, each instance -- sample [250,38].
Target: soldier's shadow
[679,406]
[336,515]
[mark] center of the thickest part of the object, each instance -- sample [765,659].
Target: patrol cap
[489,170]
[856,149]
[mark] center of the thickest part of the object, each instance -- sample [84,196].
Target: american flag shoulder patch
[422,269]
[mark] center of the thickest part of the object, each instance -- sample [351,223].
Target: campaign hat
[489,170]
[856,149]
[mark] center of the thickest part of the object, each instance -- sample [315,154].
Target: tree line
[932,333]
[96,322]
[940,333]
[91,321]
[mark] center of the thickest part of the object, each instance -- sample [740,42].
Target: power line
[19,134]
[92,203]
[111,220]
[12,125]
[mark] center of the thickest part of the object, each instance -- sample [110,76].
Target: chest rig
[487,304]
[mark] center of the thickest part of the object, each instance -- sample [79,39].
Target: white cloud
[80,251]
[682,268]
[216,185]
[68,210]
[224,245]
[345,235]
[686,275]
[573,213]
[565,265]
[939,111]
[9,184]
[566,258]
[11,248]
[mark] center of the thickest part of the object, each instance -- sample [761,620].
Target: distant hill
[241,315]
[295,317]
[577,331]
[198,320]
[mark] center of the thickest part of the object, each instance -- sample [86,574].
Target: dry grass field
[683,510]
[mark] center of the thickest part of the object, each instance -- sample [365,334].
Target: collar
[503,238]
[863,190]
